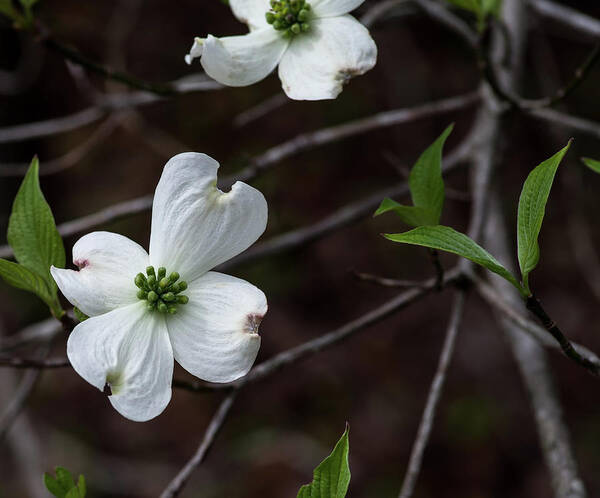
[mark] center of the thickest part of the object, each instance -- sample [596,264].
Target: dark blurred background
[484,443]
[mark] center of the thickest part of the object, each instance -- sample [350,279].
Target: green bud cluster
[289,16]
[161,292]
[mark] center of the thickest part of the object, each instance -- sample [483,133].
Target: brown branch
[534,305]
[179,481]
[433,398]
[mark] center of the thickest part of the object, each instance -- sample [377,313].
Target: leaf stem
[534,305]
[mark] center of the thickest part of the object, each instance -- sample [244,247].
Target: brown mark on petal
[252,323]
[346,74]
[81,263]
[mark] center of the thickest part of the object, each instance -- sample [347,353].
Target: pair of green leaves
[481,8]
[63,485]
[332,477]
[532,206]
[35,241]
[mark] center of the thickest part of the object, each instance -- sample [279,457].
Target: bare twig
[15,362]
[510,311]
[71,158]
[106,104]
[562,119]
[262,109]
[21,396]
[386,282]
[581,23]
[435,392]
[179,481]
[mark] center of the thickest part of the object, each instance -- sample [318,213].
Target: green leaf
[332,476]
[425,179]
[592,164]
[449,240]
[62,485]
[32,232]
[411,215]
[28,3]
[22,278]
[81,486]
[7,8]
[532,207]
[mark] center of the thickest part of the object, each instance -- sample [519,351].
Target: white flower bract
[313,65]
[131,348]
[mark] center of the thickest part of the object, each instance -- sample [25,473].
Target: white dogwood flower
[318,47]
[147,309]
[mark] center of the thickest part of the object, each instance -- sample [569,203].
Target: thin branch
[105,104]
[495,299]
[260,110]
[567,120]
[535,306]
[386,282]
[384,10]
[73,55]
[71,158]
[21,395]
[36,363]
[179,481]
[307,141]
[581,23]
[314,346]
[433,398]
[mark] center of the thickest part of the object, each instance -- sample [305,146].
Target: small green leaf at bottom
[449,240]
[332,477]
[63,485]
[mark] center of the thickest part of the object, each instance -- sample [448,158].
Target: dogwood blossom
[148,308]
[318,47]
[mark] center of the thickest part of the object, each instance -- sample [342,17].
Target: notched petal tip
[252,323]
[195,51]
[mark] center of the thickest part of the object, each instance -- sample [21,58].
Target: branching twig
[176,485]
[435,392]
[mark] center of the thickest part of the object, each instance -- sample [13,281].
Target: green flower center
[161,292]
[289,16]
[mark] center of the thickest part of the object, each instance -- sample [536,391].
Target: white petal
[195,51]
[195,226]
[108,264]
[243,60]
[333,8]
[215,336]
[251,12]
[318,63]
[129,349]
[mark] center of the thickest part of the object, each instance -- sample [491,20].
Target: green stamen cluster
[289,16]
[161,292]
